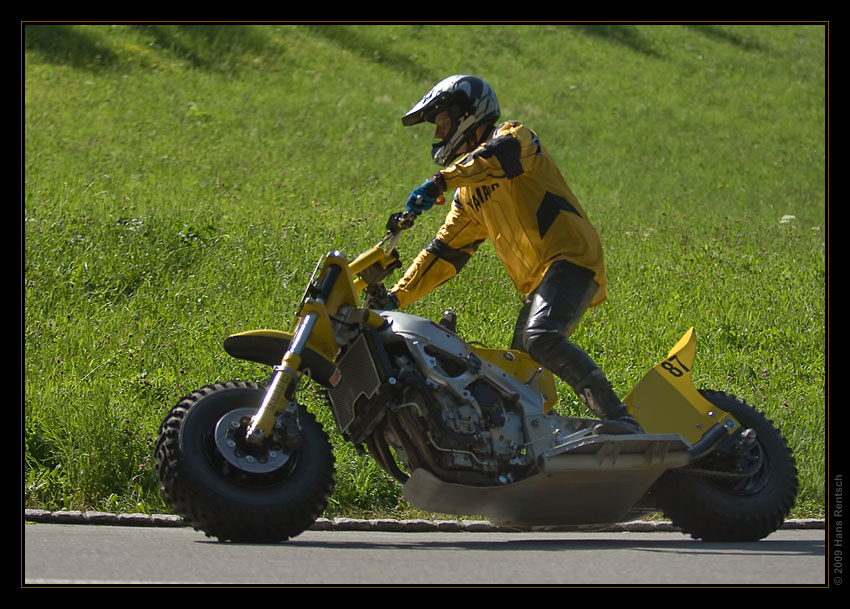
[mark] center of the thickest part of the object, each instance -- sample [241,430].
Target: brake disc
[257,460]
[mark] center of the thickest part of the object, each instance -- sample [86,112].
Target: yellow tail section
[666,401]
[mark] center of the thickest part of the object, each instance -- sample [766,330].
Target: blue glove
[423,197]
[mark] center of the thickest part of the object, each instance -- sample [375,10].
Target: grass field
[179,183]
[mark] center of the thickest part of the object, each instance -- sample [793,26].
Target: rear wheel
[741,496]
[238,492]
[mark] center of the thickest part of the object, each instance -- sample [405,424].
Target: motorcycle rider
[508,189]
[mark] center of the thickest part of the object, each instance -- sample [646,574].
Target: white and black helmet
[469,101]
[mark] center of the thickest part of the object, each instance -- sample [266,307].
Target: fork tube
[286,375]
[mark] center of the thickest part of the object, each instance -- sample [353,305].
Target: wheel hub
[230,441]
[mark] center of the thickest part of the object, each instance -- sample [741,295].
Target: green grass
[181,181]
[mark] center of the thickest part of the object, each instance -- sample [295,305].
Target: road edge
[356,524]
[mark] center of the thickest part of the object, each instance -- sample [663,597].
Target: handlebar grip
[400,221]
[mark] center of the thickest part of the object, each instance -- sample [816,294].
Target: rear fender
[666,401]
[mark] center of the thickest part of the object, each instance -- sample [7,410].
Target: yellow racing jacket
[510,191]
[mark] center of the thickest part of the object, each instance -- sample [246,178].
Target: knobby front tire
[263,504]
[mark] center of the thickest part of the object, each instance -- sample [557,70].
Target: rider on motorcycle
[508,189]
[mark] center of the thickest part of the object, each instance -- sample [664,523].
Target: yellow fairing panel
[522,367]
[666,401]
[323,338]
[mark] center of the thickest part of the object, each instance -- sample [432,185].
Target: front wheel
[233,491]
[744,497]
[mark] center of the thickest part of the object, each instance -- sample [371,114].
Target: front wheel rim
[231,446]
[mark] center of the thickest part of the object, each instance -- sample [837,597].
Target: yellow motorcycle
[463,428]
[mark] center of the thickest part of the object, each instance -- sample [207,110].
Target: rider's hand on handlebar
[387,301]
[425,196]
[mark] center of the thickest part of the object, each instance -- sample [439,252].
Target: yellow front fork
[315,330]
[285,378]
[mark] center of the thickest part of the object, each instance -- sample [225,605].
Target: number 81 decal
[677,370]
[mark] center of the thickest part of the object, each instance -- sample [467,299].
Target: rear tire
[713,508]
[264,500]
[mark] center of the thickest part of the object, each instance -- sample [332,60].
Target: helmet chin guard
[470,103]
[447,149]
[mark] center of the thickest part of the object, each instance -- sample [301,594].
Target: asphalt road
[66,555]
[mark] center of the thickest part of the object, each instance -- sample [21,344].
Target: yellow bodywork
[519,365]
[323,338]
[666,401]
[373,257]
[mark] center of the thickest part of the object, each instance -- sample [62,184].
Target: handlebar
[396,225]
[401,221]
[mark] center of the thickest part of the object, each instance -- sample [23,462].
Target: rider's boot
[595,391]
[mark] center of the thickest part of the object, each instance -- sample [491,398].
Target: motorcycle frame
[664,401]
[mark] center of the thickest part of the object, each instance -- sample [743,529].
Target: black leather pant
[548,317]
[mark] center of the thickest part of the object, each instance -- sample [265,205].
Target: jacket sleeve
[442,259]
[510,152]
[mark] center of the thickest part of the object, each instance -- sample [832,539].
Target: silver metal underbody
[595,480]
